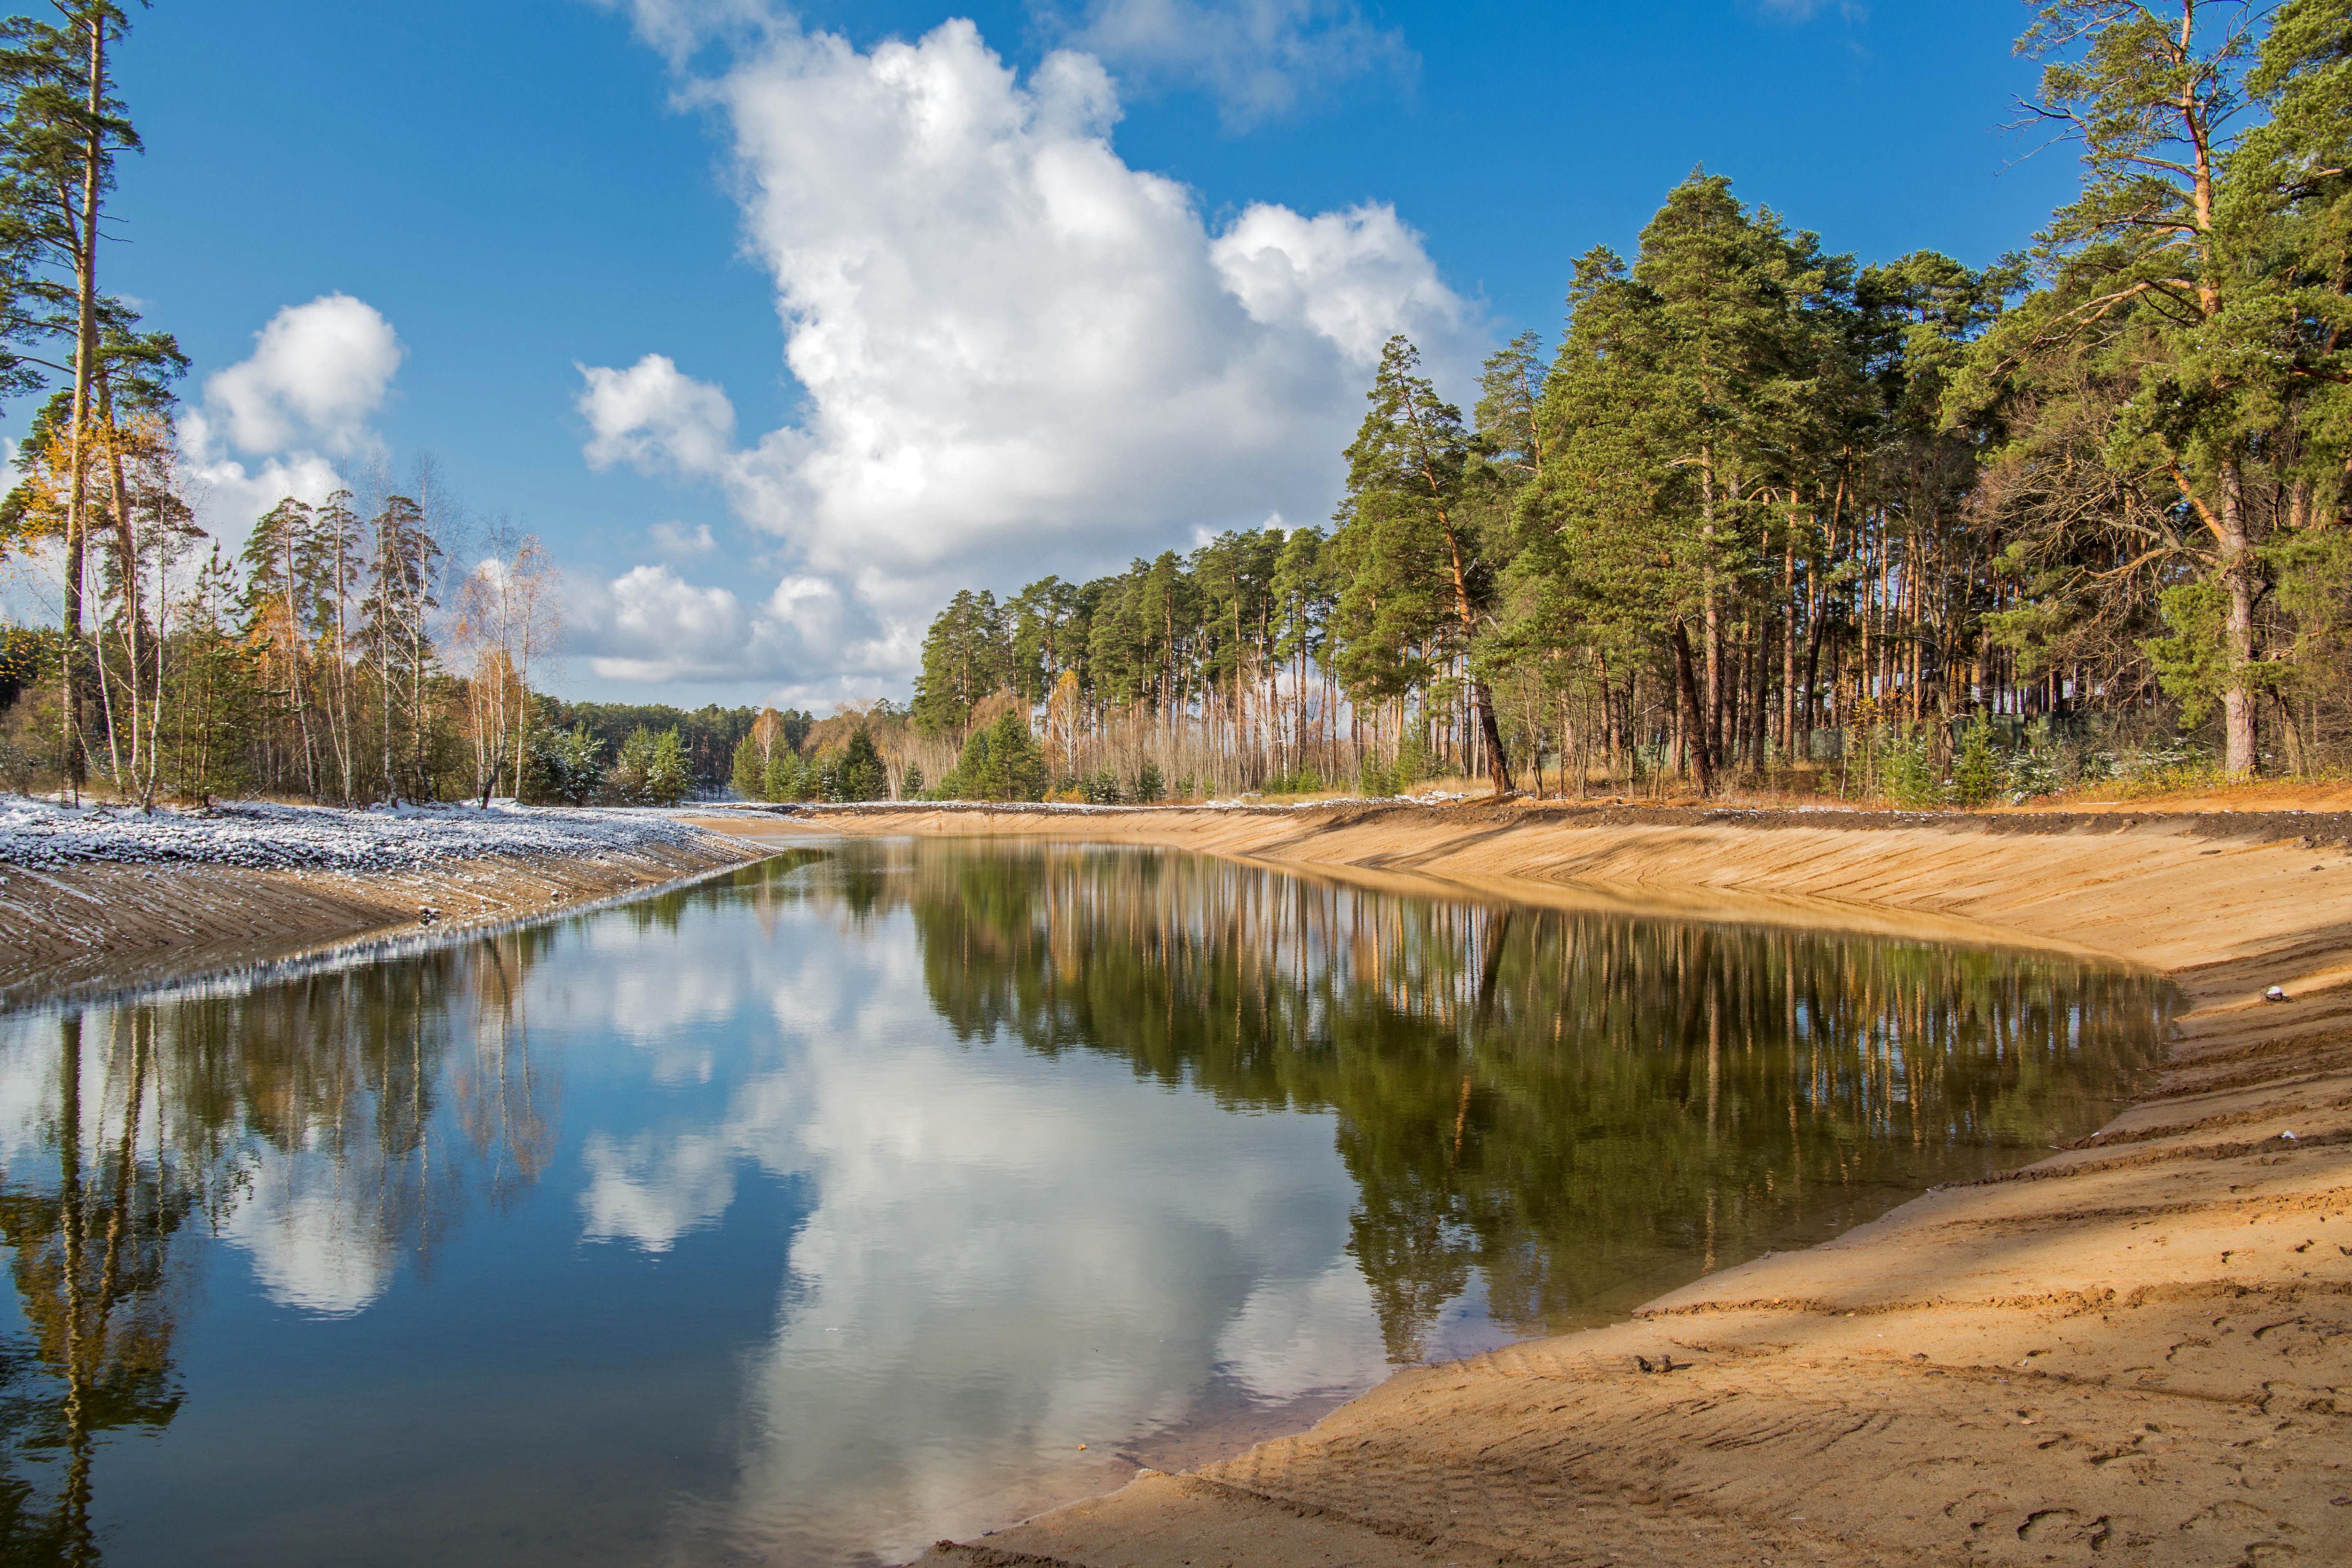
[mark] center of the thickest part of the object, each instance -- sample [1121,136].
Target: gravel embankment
[104,897]
[44,834]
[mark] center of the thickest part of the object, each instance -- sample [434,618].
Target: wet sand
[2136,1350]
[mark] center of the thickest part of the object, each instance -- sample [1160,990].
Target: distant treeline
[1762,513]
[707,735]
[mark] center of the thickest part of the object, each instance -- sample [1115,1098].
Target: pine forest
[1764,517]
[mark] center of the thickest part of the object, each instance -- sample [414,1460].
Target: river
[887,1191]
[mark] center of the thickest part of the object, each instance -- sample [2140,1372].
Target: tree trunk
[1707,721]
[133,601]
[85,367]
[1498,766]
[1790,610]
[1695,733]
[1816,614]
[2238,638]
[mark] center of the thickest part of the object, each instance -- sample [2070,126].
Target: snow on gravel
[46,835]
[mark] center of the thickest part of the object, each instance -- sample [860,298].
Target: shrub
[1911,777]
[20,766]
[750,770]
[2175,763]
[1306,781]
[1980,774]
[651,769]
[1148,785]
[565,765]
[781,779]
[861,775]
[1414,763]
[1001,762]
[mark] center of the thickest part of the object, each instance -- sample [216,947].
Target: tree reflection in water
[302,1118]
[1575,1107]
[1546,1115]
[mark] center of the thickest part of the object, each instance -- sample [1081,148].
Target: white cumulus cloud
[1019,353]
[315,375]
[652,415]
[1258,58]
[806,638]
[283,420]
[679,28]
[677,538]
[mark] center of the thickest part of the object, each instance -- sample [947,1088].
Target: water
[816,1212]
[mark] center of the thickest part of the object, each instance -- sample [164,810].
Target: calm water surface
[825,1209]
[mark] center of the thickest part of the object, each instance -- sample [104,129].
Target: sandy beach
[2139,1350]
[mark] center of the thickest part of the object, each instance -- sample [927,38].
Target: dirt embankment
[63,928]
[2137,1350]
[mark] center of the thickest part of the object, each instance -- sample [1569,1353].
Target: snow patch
[48,835]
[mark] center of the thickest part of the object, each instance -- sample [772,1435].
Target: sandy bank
[2167,890]
[66,923]
[2139,1351]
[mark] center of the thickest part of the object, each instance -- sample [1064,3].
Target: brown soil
[2137,1350]
[68,930]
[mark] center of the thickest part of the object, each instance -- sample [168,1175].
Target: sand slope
[62,928]
[2139,1351]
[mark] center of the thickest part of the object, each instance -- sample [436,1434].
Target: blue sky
[1049,313]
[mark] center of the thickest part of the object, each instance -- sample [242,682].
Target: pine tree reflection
[303,1119]
[95,1283]
[1582,1109]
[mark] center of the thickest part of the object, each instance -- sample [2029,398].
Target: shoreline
[2105,884]
[2139,1350]
[90,926]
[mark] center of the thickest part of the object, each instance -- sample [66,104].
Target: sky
[777,326]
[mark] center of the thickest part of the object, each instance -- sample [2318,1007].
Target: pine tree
[860,774]
[747,769]
[565,765]
[1420,582]
[967,654]
[215,696]
[281,562]
[396,620]
[2145,270]
[58,151]
[781,779]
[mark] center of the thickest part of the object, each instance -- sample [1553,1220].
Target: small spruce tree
[861,775]
[972,775]
[1980,774]
[565,765]
[750,770]
[781,779]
